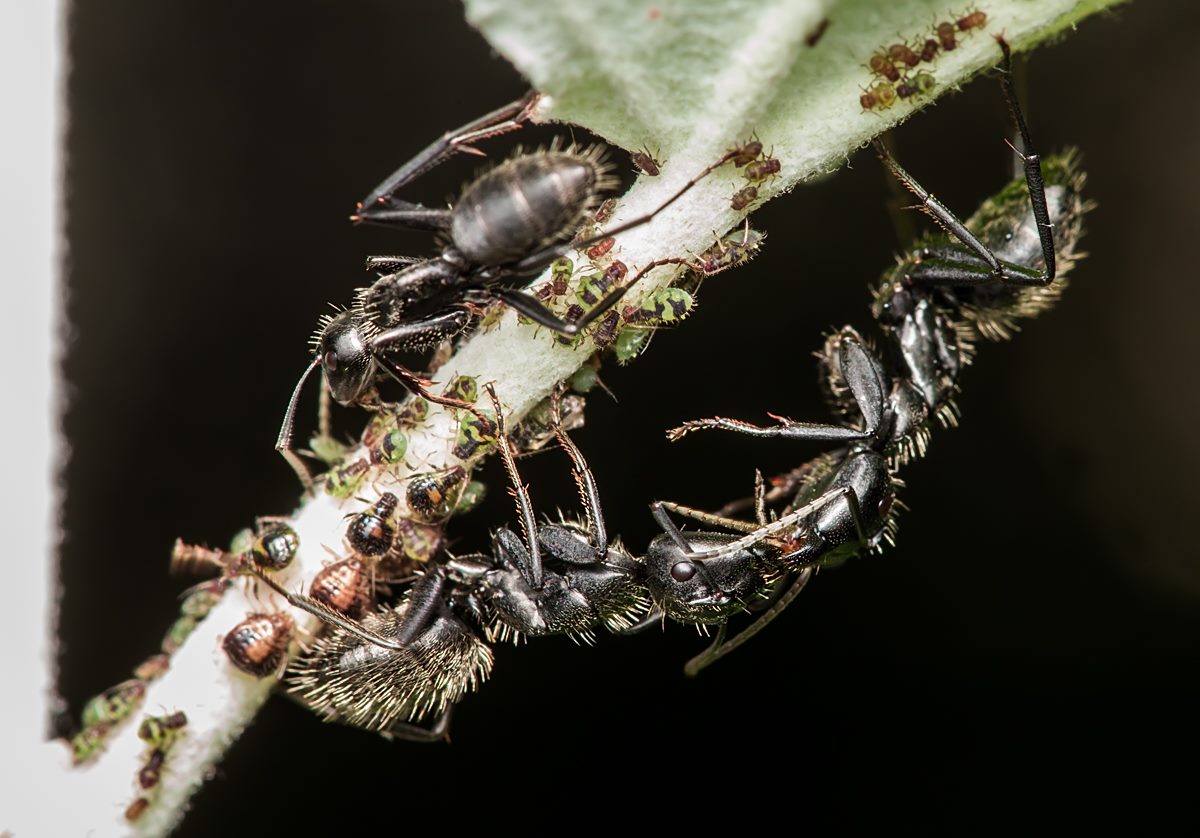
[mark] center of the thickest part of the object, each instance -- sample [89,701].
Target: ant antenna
[283,444]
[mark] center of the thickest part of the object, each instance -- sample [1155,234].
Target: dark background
[1027,651]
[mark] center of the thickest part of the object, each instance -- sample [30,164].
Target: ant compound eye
[683,571]
[330,361]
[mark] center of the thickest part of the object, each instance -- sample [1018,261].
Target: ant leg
[709,518]
[409,732]
[787,429]
[391,264]
[719,649]
[532,570]
[997,270]
[589,493]
[500,121]
[415,335]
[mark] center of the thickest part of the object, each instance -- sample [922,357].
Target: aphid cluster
[897,68]
[757,166]
[160,733]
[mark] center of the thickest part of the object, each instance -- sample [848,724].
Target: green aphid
[592,289]
[730,251]
[202,599]
[561,272]
[433,495]
[462,387]
[924,83]
[89,742]
[585,378]
[241,542]
[474,434]
[412,412]
[471,497]
[631,342]
[345,481]
[114,704]
[418,542]
[665,307]
[391,448]
[179,632]
[327,449]
[162,731]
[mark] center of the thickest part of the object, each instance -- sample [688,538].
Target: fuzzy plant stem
[801,100]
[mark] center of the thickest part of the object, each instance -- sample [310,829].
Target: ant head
[345,357]
[702,590]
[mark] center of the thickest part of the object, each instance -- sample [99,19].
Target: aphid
[475,434]
[371,532]
[972,20]
[114,704]
[390,449]
[882,65]
[152,667]
[257,644]
[904,89]
[600,248]
[195,607]
[760,170]
[730,251]
[344,587]
[462,387]
[929,50]
[433,495]
[746,153]
[606,331]
[276,546]
[743,197]
[924,83]
[507,224]
[946,35]
[346,480]
[903,54]
[644,162]
[879,96]
[419,543]
[604,211]
[136,809]
[161,731]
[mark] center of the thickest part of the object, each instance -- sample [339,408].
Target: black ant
[507,224]
[953,288]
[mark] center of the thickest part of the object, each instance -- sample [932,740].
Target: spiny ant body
[507,224]
[974,281]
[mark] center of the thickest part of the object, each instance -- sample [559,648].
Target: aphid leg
[381,206]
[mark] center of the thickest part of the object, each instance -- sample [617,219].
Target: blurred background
[1028,647]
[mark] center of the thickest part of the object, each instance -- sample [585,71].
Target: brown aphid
[881,65]
[746,153]
[605,210]
[151,772]
[135,809]
[762,169]
[258,643]
[972,20]
[606,330]
[904,54]
[615,272]
[344,587]
[371,532]
[152,667]
[433,495]
[929,50]
[904,90]
[946,35]
[743,197]
[600,248]
[644,162]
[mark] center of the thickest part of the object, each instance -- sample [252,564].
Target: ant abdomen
[526,203]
